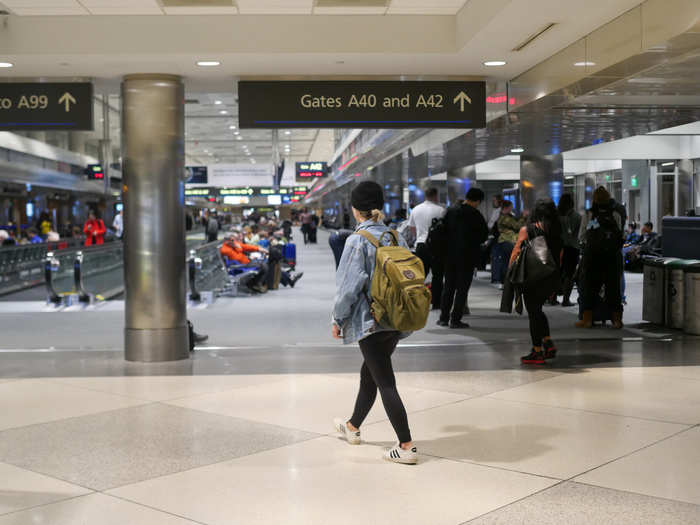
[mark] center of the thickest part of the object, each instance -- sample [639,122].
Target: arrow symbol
[461,98]
[250,191]
[67,99]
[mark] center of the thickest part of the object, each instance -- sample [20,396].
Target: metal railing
[85,274]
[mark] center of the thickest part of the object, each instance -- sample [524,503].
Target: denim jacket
[353,279]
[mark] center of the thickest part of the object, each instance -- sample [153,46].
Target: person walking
[466,231]
[419,222]
[306,224]
[542,222]
[508,229]
[602,239]
[212,228]
[570,221]
[353,322]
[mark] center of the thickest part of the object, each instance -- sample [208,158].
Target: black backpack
[607,237]
[437,237]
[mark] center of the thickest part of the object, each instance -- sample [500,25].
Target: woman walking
[353,321]
[570,224]
[542,222]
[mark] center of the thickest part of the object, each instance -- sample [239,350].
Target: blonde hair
[374,215]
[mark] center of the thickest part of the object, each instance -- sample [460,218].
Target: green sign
[634,181]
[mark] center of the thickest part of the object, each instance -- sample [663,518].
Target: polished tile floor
[241,433]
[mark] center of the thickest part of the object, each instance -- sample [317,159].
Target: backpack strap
[370,238]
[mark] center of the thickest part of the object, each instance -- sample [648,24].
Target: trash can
[675,296]
[653,305]
[691,303]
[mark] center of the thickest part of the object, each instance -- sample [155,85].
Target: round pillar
[154,220]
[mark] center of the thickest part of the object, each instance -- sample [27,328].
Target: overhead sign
[306,171]
[360,104]
[95,172]
[197,192]
[196,174]
[46,106]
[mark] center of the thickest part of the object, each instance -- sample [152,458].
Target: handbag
[539,262]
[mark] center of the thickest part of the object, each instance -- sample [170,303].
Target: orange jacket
[94,228]
[237,252]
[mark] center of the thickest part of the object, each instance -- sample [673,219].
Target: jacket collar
[366,224]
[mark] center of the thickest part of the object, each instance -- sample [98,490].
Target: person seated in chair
[237,252]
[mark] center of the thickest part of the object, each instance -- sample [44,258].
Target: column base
[155,345]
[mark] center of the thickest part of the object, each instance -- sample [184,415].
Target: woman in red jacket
[94,230]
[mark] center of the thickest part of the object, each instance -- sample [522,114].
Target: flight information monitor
[308,171]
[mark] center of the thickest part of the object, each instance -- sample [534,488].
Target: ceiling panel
[200,10]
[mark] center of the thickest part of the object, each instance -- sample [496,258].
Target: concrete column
[540,177]
[154,219]
[77,141]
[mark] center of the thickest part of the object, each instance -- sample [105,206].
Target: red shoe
[550,350]
[533,358]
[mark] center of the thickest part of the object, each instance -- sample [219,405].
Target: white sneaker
[352,437]
[398,455]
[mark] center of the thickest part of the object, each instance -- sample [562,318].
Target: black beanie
[367,196]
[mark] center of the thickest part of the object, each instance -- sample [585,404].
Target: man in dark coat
[466,231]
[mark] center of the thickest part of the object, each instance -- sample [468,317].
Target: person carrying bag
[534,271]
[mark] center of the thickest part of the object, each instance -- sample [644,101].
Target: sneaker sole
[402,461]
[533,361]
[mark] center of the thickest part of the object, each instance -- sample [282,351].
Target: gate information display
[46,106]
[359,104]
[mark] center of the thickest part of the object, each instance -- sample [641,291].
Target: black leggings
[539,325]
[377,372]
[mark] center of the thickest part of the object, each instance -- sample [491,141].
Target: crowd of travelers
[535,257]
[260,247]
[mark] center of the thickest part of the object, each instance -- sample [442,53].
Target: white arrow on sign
[461,98]
[67,99]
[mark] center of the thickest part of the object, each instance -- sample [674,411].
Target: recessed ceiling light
[585,63]
[667,163]
[218,102]
[6,64]
[495,63]
[232,127]
[208,63]
[239,137]
[517,150]
[223,112]
[287,132]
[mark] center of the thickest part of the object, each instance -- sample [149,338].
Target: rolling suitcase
[290,253]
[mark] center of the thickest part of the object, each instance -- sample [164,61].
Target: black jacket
[466,231]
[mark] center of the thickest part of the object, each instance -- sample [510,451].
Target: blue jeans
[499,260]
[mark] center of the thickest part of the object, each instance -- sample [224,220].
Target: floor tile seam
[107,490]
[52,476]
[536,493]
[140,504]
[412,412]
[490,466]
[33,507]
[588,411]
[62,381]
[147,403]
[356,381]
[242,419]
[227,389]
[631,453]
[628,491]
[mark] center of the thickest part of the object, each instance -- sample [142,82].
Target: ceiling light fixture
[232,127]
[585,63]
[218,102]
[6,64]
[208,63]
[287,132]
[223,112]
[495,63]
[667,163]
[517,149]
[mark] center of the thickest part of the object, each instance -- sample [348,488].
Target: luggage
[290,253]
[400,300]
[601,310]
[274,274]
